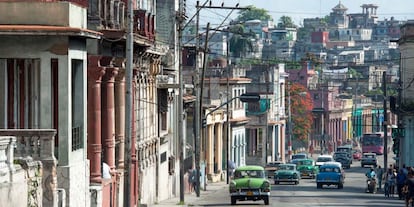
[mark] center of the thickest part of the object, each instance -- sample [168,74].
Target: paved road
[304,195]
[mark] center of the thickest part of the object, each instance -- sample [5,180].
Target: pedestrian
[194,180]
[390,177]
[409,185]
[190,180]
[401,177]
[380,176]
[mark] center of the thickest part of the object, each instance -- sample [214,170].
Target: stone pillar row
[106,114]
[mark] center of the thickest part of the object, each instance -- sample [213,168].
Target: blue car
[330,173]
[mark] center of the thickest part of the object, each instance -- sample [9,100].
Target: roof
[332,164]
[40,30]
[250,167]
[324,156]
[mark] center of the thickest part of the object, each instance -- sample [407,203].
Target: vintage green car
[249,183]
[287,173]
[306,167]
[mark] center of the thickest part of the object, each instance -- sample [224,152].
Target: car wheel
[362,165]
[318,185]
[266,200]
[233,201]
[340,185]
[296,182]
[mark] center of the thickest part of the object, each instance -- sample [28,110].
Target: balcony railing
[144,24]
[38,144]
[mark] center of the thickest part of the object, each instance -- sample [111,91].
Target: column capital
[120,77]
[119,62]
[95,73]
[110,73]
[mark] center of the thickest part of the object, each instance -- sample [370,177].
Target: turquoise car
[330,173]
[306,167]
[250,183]
[287,173]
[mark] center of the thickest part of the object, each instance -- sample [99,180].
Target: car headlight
[266,186]
[232,187]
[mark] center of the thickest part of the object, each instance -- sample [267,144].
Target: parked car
[271,168]
[330,173]
[300,155]
[287,173]
[357,154]
[249,183]
[306,167]
[343,158]
[323,158]
[369,158]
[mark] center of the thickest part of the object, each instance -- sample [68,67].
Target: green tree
[286,22]
[253,13]
[240,41]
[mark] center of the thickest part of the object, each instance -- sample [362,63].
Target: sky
[300,9]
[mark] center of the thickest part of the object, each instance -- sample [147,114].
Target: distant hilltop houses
[339,38]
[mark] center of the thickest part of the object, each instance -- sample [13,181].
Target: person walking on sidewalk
[380,176]
[190,180]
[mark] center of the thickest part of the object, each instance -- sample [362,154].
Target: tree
[253,13]
[240,41]
[301,111]
[286,22]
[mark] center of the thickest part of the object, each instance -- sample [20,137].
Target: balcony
[39,145]
[144,24]
[33,13]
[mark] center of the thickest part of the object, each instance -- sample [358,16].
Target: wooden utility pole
[180,18]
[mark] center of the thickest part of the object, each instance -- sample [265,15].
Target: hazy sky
[300,9]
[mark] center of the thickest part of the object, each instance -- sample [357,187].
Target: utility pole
[197,108]
[201,103]
[128,104]
[180,18]
[384,88]
[197,114]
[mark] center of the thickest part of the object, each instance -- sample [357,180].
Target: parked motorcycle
[371,185]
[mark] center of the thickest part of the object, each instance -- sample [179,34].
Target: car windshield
[324,159]
[249,174]
[340,154]
[330,169]
[304,162]
[369,156]
[298,156]
[286,167]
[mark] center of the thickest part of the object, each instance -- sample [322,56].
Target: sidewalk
[191,199]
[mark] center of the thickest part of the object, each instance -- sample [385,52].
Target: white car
[324,158]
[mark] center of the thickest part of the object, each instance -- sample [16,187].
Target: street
[306,193]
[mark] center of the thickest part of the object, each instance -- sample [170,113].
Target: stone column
[108,115]
[219,147]
[209,148]
[95,73]
[120,114]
